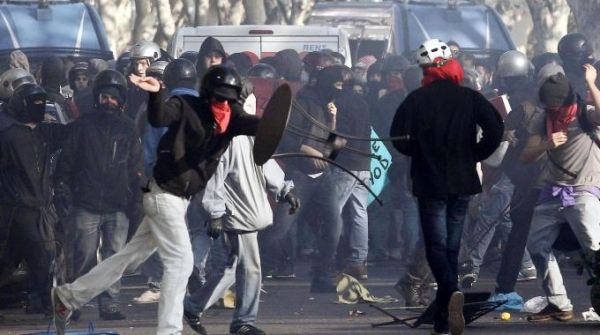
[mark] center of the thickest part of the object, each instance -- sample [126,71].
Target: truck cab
[399,27]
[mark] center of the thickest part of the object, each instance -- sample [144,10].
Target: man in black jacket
[27,216]
[439,124]
[100,165]
[199,131]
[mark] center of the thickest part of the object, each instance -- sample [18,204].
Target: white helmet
[11,79]
[145,50]
[432,49]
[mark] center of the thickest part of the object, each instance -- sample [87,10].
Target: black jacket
[101,162]
[441,120]
[189,152]
[25,163]
[308,101]
[353,119]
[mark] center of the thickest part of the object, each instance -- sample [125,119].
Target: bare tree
[586,17]
[550,19]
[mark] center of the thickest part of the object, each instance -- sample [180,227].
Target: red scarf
[222,114]
[558,119]
[443,69]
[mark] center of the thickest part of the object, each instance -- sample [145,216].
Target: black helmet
[513,63]
[192,56]
[575,48]
[110,78]
[221,81]
[316,61]
[78,68]
[123,62]
[180,73]
[263,70]
[19,105]
[157,69]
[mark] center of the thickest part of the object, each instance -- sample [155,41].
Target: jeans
[201,242]
[442,222]
[164,228]
[234,259]
[479,233]
[584,220]
[522,206]
[411,229]
[340,192]
[89,229]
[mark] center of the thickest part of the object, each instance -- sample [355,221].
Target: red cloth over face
[222,114]
[443,70]
[559,118]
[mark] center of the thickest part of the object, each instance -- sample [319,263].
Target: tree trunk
[144,23]
[255,12]
[586,18]
[117,18]
[166,24]
[300,11]
[550,19]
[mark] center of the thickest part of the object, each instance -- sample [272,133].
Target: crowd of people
[144,165]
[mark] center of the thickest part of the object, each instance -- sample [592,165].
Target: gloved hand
[294,202]
[214,227]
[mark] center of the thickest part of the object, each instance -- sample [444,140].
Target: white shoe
[150,296]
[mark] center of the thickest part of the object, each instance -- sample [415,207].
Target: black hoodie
[209,45]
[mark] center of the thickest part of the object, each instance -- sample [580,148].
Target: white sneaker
[150,296]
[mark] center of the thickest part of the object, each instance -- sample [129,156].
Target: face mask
[34,113]
[222,114]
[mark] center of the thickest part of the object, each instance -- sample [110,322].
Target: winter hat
[547,71]
[556,91]
[18,60]
[291,64]
[53,72]
[365,62]
[242,63]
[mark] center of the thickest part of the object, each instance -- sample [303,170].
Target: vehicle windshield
[471,27]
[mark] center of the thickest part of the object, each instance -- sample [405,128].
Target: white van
[263,40]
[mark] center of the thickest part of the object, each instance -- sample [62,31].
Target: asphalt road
[287,307]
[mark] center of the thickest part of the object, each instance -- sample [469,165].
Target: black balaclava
[326,78]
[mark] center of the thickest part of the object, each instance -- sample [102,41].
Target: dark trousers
[442,222]
[276,242]
[27,237]
[522,205]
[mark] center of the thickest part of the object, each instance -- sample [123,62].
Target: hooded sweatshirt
[209,45]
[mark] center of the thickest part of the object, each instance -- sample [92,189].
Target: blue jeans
[164,227]
[234,259]
[201,242]
[89,228]
[495,204]
[442,222]
[341,192]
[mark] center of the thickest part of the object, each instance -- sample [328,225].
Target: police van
[67,28]
[399,27]
[263,40]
